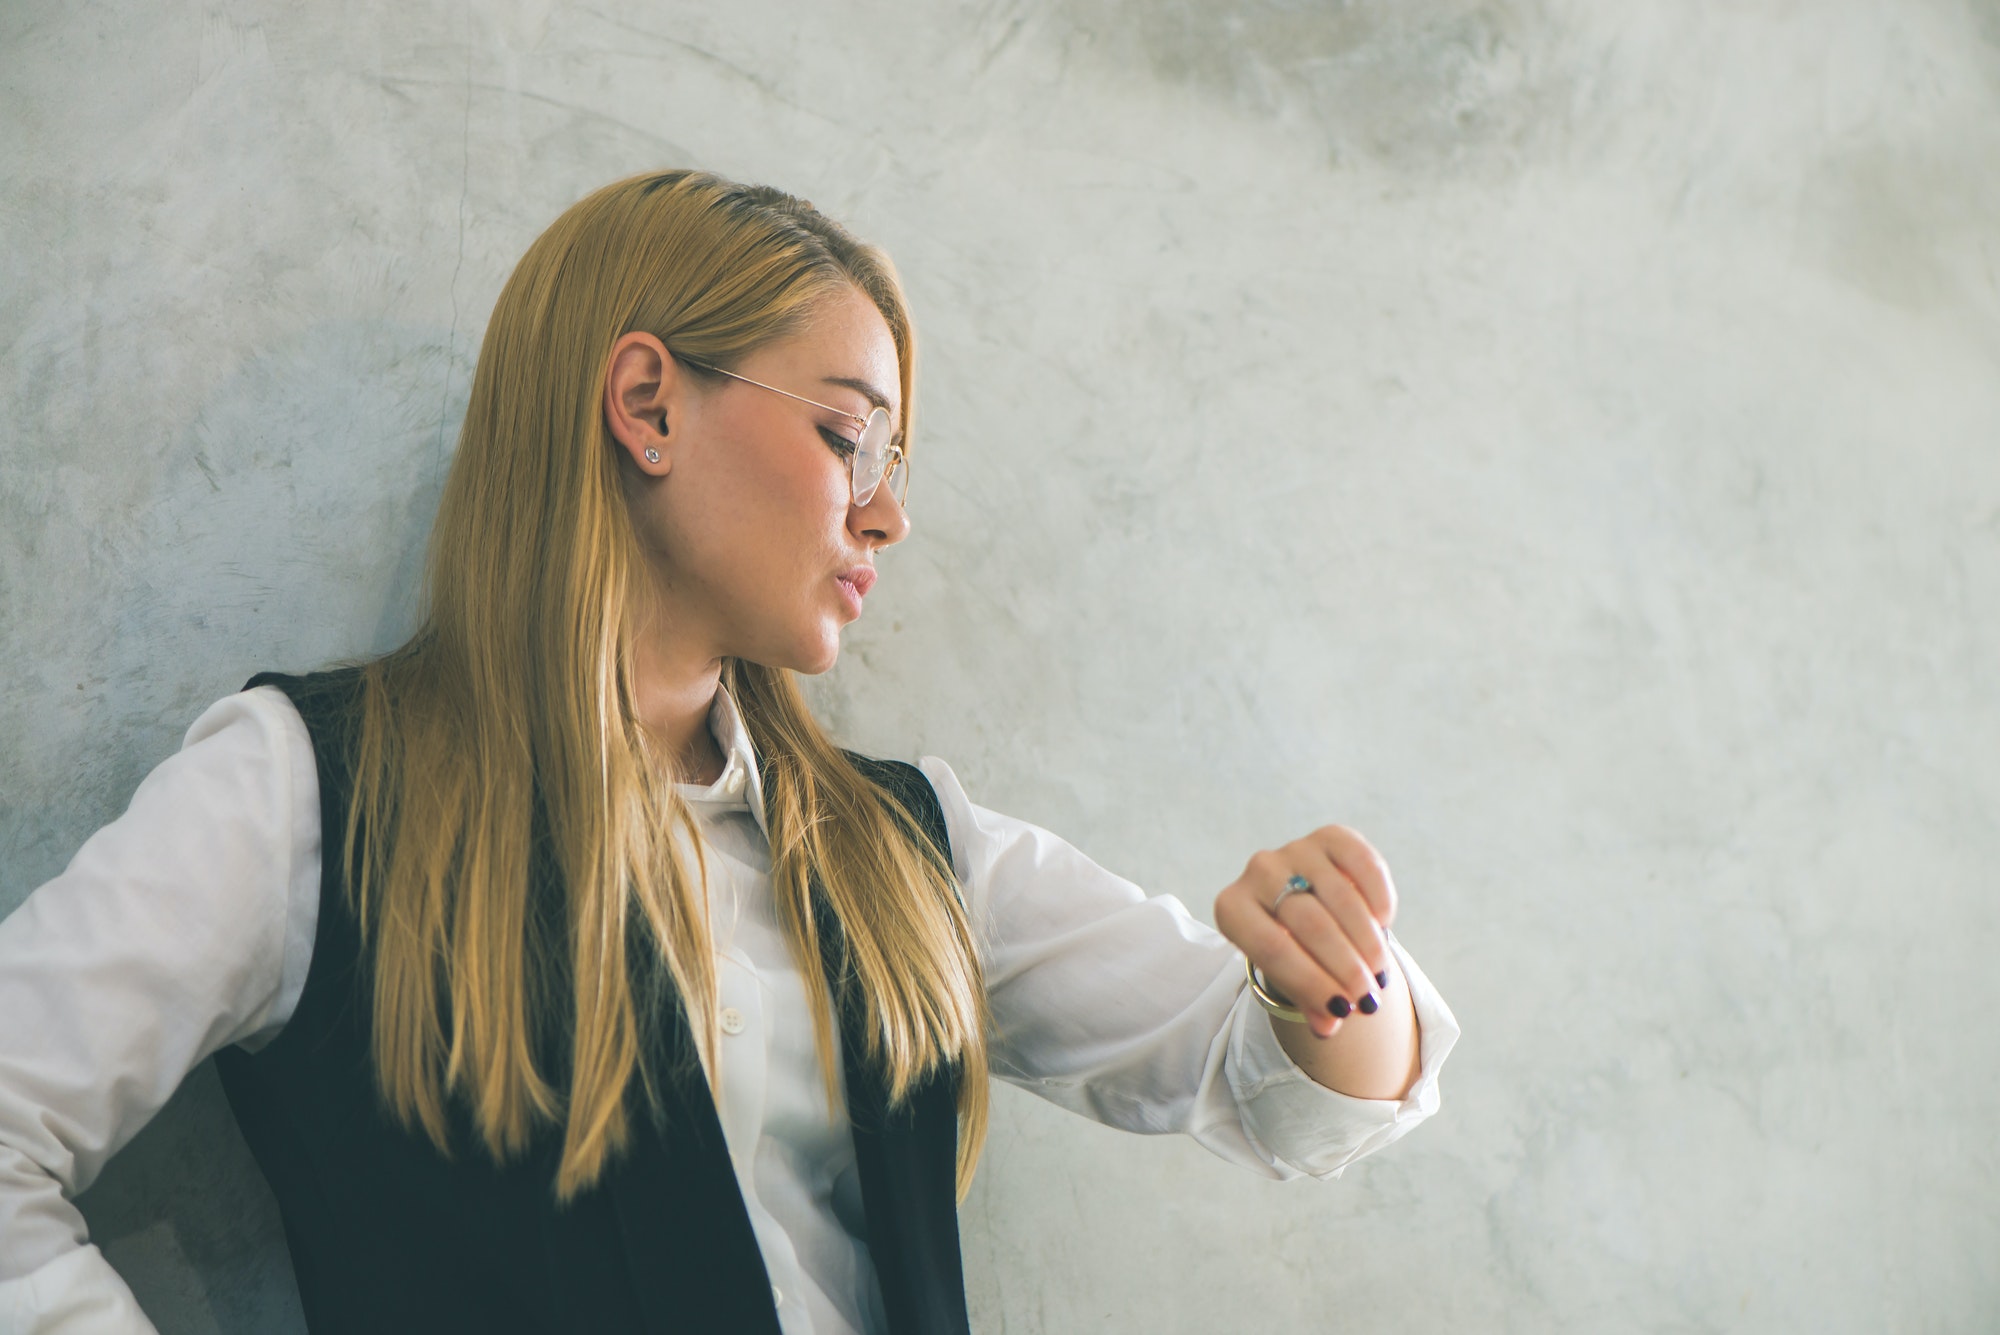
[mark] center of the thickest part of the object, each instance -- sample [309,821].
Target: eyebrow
[861,387]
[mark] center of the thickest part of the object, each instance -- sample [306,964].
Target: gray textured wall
[1556,438]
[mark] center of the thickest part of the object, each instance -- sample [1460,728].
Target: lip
[854,585]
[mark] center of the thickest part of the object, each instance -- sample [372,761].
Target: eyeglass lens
[871,460]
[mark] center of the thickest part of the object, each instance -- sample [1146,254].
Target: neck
[672,694]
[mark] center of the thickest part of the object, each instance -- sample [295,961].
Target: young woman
[561,973]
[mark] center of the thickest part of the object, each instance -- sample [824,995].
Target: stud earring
[652,455]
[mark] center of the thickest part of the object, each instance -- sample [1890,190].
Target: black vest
[387,1235]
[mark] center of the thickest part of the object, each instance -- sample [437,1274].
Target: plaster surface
[1557,439]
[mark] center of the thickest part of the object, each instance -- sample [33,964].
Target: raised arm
[1122,1007]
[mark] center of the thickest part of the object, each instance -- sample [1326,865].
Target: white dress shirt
[187,925]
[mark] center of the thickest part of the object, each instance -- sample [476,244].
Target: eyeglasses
[872,459]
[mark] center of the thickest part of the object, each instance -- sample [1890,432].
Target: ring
[1298,885]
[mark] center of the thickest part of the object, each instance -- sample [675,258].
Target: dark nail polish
[1382,979]
[1339,1007]
[1367,1005]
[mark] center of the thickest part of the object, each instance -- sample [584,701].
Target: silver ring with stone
[1298,885]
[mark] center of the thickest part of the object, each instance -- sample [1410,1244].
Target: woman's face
[748,517]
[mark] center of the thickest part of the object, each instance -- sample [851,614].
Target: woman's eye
[841,444]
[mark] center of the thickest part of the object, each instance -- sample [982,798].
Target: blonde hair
[498,751]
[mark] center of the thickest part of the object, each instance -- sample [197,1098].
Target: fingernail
[1367,1005]
[1382,979]
[1339,1007]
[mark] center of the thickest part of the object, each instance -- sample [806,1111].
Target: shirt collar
[739,787]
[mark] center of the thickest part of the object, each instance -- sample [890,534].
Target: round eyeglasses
[872,459]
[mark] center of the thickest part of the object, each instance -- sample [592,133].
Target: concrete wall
[1557,438]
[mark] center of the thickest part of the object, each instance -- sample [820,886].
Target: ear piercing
[652,455]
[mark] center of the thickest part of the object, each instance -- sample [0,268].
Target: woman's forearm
[1369,1056]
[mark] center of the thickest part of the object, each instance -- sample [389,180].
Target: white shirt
[187,925]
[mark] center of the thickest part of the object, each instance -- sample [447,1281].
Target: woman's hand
[1321,947]
[1310,916]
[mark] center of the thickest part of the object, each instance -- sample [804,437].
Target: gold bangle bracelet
[1268,999]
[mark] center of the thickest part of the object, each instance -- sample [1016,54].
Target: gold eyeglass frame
[893,457]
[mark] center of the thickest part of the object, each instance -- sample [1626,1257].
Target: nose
[882,522]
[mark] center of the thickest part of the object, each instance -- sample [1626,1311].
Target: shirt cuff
[78,1293]
[1300,1124]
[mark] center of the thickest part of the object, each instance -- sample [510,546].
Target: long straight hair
[498,752]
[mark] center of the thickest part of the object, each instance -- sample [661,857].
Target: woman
[561,973]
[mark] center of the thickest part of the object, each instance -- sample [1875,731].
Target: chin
[809,658]
[822,662]
[807,645]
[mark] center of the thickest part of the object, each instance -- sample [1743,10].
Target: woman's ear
[641,399]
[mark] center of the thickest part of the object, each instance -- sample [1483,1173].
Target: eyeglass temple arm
[823,407]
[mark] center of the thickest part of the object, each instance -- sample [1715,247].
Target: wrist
[1277,1005]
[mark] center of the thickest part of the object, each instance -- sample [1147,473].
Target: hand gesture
[1309,917]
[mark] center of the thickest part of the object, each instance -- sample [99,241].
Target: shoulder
[325,710]
[257,728]
[895,775]
[315,695]
[909,787]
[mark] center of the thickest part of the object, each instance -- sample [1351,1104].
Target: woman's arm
[1125,1009]
[171,934]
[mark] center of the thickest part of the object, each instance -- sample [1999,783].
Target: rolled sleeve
[1300,1125]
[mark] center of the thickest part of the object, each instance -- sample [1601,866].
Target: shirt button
[732,1020]
[733,785]
[777,1296]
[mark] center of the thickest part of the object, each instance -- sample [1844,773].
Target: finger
[1313,926]
[1289,969]
[1300,866]
[1349,908]
[1362,865]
